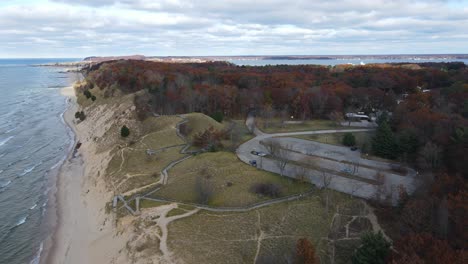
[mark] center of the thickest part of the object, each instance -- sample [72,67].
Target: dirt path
[159,216]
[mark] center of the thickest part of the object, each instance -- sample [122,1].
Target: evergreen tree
[349,140]
[124,131]
[374,249]
[384,143]
[218,116]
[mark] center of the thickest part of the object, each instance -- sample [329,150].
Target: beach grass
[230,180]
[210,237]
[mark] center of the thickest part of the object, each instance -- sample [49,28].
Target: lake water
[330,62]
[33,143]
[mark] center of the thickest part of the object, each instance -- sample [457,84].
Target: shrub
[349,140]
[305,252]
[80,115]
[209,139]
[124,131]
[218,116]
[266,189]
[87,94]
[374,249]
[93,98]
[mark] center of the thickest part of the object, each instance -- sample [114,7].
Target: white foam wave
[32,207]
[3,142]
[45,203]
[28,170]
[10,130]
[21,221]
[37,258]
[57,164]
[5,184]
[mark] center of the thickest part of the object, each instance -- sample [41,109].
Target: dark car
[353,148]
[253,163]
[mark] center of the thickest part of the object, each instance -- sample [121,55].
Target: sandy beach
[84,232]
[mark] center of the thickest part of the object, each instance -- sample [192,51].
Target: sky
[81,28]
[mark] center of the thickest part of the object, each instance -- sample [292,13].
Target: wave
[5,184]
[37,257]
[10,130]
[28,170]
[6,140]
[32,207]
[21,221]
[58,163]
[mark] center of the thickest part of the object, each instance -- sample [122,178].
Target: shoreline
[50,242]
[82,231]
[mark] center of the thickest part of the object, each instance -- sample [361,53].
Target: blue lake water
[331,62]
[33,142]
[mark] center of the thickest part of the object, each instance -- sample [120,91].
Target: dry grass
[198,122]
[209,237]
[224,168]
[337,138]
[150,204]
[137,169]
[275,125]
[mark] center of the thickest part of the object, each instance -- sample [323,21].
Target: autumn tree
[305,252]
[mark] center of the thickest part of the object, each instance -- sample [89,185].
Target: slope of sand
[85,233]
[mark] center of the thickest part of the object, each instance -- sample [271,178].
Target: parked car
[258,153]
[253,163]
[353,148]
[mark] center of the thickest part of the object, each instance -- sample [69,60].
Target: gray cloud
[179,27]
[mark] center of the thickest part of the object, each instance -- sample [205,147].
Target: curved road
[331,158]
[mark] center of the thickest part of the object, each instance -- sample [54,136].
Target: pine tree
[349,139]
[124,131]
[384,142]
[374,249]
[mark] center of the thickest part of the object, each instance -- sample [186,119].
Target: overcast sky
[80,28]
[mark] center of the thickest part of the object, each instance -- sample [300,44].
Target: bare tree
[268,113]
[326,182]
[336,117]
[380,192]
[301,173]
[430,156]
[280,154]
[204,187]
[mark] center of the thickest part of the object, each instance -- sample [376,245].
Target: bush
[349,140]
[124,131]
[374,249]
[218,116]
[266,189]
[80,115]
[87,94]
[93,98]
